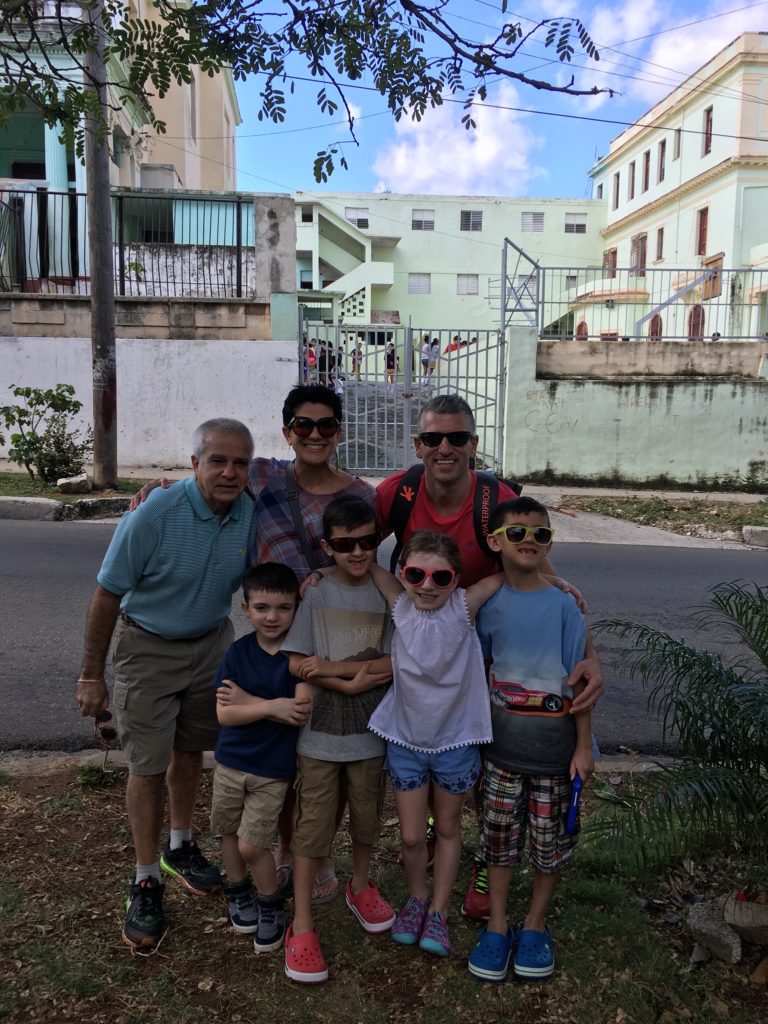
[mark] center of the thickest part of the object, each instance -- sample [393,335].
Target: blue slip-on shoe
[534,957]
[489,960]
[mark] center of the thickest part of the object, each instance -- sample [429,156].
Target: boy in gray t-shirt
[339,644]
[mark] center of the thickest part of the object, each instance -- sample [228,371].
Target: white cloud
[438,156]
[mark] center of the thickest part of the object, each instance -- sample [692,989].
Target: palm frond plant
[716,791]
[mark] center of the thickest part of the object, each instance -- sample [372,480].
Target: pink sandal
[304,961]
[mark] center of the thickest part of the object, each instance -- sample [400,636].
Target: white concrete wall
[165,388]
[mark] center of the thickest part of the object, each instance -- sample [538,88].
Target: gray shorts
[164,695]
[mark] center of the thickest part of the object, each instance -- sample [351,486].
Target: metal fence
[181,245]
[621,303]
[377,370]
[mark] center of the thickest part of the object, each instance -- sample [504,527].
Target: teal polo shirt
[176,564]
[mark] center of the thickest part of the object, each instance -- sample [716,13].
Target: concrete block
[749,919]
[755,535]
[30,508]
[708,928]
[98,508]
[80,484]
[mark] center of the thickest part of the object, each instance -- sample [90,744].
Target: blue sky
[519,148]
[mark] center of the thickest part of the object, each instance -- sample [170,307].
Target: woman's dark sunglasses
[441,578]
[346,545]
[302,426]
[455,438]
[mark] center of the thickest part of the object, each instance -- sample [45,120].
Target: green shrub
[716,791]
[43,442]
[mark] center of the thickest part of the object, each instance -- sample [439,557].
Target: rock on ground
[708,928]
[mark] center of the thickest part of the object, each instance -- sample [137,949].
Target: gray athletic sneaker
[271,930]
[243,906]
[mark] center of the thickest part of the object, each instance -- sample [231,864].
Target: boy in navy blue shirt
[256,752]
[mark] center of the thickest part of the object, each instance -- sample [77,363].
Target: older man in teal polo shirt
[163,598]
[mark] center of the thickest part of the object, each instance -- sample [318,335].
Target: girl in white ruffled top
[433,718]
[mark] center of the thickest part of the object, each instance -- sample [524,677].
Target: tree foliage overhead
[410,51]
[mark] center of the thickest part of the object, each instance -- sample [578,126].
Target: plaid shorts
[513,804]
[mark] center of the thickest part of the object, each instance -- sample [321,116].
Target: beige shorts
[164,694]
[318,787]
[246,805]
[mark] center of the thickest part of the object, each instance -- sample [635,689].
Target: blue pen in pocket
[572,821]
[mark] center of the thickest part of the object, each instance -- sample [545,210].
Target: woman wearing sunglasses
[433,718]
[291,494]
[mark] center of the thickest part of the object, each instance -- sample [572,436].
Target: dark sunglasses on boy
[346,545]
[517,533]
[302,426]
[441,578]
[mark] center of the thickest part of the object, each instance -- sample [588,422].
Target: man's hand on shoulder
[590,673]
[142,495]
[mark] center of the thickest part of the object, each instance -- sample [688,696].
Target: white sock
[178,836]
[147,871]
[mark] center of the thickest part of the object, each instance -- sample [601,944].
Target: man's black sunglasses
[455,438]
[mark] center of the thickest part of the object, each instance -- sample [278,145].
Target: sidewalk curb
[50,510]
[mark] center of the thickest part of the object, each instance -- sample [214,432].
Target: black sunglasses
[455,438]
[302,426]
[441,578]
[105,733]
[346,545]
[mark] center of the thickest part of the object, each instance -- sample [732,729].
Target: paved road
[48,572]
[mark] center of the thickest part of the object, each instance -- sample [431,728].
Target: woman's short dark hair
[318,394]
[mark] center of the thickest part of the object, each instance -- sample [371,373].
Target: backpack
[486,500]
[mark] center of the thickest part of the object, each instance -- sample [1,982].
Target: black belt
[132,622]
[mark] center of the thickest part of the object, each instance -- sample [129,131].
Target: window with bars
[571,280]
[419,284]
[610,262]
[707,139]
[575,223]
[531,221]
[646,170]
[702,225]
[662,161]
[467,284]
[631,180]
[422,220]
[638,254]
[471,220]
[357,215]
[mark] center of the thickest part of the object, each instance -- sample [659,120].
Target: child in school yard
[339,643]
[433,718]
[533,634]
[256,753]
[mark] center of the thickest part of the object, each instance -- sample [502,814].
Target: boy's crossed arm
[235,706]
[345,676]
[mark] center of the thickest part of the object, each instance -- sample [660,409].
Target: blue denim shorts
[455,771]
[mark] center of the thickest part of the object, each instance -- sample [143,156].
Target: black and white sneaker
[271,930]
[243,906]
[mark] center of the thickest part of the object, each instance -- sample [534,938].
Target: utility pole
[99,206]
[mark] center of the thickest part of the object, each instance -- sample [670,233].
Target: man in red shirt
[444,502]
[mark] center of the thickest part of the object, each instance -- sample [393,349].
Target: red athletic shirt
[475,564]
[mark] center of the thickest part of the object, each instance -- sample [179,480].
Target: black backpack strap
[486,500]
[292,496]
[402,506]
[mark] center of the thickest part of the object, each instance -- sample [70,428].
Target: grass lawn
[21,485]
[679,515]
[66,856]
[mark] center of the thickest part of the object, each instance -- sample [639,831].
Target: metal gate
[377,370]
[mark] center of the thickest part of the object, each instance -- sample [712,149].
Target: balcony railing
[182,245]
[707,302]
